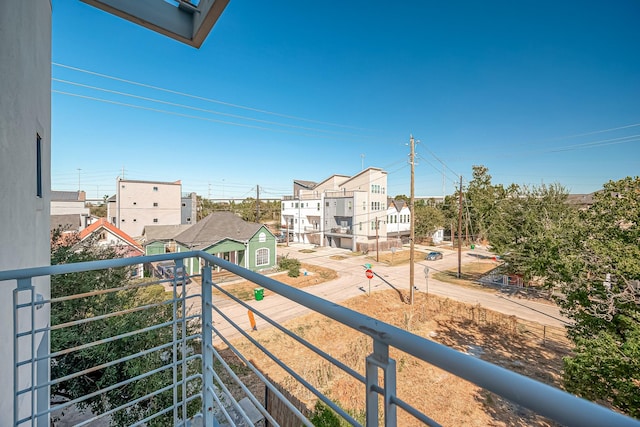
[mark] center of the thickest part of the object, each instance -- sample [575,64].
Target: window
[155,188]
[262,257]
[135,220]
[134,203]
[296,205]
[122,220]
[184,205]
[155,219]
[318,205]
[38,166]
[262,237]
[326,204]
[188,219]
[155,204]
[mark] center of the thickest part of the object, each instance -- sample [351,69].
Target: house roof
[333,176]
[103,223]
[580,199]
[153,233]
[216,227]
[306,184]
[178,182]
[67,222]
[65,196]
[399,204]
[363,172]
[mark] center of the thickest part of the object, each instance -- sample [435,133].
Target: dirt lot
[449,400]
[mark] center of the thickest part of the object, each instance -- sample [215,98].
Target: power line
[201,98]
[189,116]
[204,110]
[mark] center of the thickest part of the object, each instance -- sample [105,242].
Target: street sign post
[426,276]
[369,274]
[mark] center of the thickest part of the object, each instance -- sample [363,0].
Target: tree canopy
[601,294]
[95,301]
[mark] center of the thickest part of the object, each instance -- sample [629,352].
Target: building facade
[141,203]
[189,208]
[342,211]
[25,173]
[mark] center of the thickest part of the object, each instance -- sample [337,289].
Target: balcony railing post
[207,347]
[380,359]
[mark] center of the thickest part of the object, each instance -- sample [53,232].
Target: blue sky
[538,92]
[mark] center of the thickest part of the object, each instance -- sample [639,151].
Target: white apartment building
[141,203]
[341,211]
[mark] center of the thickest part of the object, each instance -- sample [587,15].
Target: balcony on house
[192,377]
[340,230]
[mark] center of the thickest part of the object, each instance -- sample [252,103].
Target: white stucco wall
[135,205]
[25,112]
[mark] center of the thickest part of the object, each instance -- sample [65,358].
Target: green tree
[534,229]
[480,199]
[96,302]
[601,295]
[427,220]
[98,210]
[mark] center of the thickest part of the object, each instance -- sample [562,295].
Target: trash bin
[258,293]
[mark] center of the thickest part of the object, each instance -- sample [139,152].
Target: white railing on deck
[196,379]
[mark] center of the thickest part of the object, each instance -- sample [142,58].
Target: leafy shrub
[290,264]
[323,416]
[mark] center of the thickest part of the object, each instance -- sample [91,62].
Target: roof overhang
[182,21]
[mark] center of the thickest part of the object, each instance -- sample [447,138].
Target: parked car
[432,256]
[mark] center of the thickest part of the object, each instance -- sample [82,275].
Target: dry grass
[446,398]
[469,273]
[315,275]
[400,257]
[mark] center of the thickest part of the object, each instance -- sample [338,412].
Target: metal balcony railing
[187,370]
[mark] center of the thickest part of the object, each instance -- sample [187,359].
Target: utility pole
[412,236]
[377,247]
[460,230]
[257,203]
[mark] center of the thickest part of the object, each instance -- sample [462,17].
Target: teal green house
[223,234]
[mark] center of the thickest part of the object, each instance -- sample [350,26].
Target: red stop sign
[369,273]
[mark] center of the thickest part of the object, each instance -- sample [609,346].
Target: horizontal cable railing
[183,380]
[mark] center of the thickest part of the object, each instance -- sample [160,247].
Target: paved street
[351,282]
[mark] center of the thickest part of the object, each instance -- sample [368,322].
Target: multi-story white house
[399,222]
[141,203]
[398,219]
[341,211]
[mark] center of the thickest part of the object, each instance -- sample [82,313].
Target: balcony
[340,230]
[186,379]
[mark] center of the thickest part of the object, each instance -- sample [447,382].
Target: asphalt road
[352,282]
